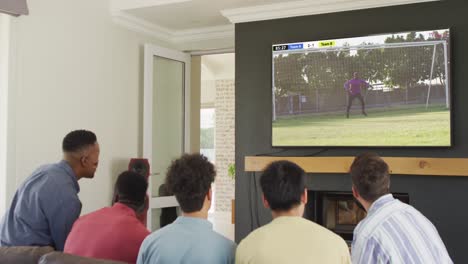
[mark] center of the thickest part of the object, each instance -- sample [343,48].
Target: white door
[166,124]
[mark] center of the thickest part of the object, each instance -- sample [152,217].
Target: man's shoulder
[224,247]
[294,233]
[174,234]
[131,222]
[162,235]
[49,168]
[100,213]
[307,225]
[262,233]
[395,219]
[105,220]
[324,233]
[115,216]
[173,230]
[373,225]
[221,240]
[255,235]
[41,173]
[88,222]
[50,173]
[46,180]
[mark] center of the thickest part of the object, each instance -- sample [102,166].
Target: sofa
[44,255]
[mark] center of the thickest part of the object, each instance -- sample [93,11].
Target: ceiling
[194,14]
[209,24]
[218,66]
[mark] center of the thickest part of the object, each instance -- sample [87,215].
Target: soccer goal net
[399,74]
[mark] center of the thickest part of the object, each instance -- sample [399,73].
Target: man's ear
[146,203]
[265,202]
[115,198]
[304,197]
[209,195]
[355,192]
[83,160]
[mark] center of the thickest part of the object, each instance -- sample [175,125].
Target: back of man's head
[283,183]
[77,140]
[370,176]
[130,189]
[189,178]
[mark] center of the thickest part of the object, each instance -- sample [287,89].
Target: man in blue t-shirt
[190,239]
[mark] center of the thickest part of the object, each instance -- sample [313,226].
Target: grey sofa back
[63,258]
[44,255]
[23,255]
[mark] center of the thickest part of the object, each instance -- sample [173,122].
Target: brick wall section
[224,143]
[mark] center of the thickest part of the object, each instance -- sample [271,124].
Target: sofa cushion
[24,255]
[63,258]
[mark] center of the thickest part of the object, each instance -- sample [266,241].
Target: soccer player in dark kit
[353,87]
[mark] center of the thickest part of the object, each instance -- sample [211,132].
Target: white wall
[4,44]
[75,69]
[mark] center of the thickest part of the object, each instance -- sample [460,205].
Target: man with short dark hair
[392,231]
[115,232]
[289,238]
[190,239]
[46,204]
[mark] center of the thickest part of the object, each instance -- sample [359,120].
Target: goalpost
[433,43]
[423,60]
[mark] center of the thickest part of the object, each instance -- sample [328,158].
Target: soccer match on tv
[387,90]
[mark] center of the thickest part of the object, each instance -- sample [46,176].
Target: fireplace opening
[338,211]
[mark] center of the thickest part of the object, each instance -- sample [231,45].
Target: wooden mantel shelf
[398,165]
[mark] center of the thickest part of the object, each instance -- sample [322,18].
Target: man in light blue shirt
[190,239]
[46,205]
[392,232]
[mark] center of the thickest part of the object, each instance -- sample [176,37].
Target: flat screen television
[388,90]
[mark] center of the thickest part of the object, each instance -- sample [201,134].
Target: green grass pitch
[415,126]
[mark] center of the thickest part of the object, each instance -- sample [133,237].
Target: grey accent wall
[442,199]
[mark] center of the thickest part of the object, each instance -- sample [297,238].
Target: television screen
[388,90]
